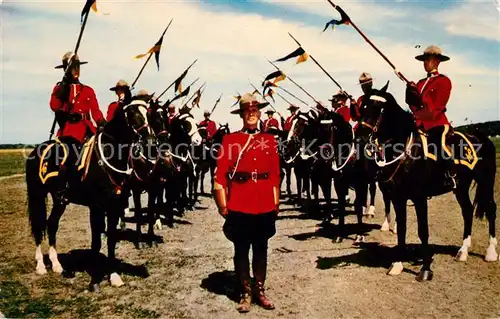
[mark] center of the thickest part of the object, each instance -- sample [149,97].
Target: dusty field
[190,274]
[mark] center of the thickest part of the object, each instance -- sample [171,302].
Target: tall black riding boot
[259,265]
[242,268]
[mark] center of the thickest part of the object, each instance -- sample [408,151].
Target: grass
[12,161]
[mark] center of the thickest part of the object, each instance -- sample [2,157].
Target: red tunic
[345,112]
[272,122]
[211,127]
[288,123]
[84,103]
[435,92]
[261,156]
[111,110]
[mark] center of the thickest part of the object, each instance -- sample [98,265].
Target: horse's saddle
[55,154]
[455,144]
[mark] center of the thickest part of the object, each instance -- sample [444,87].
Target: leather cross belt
[243,177]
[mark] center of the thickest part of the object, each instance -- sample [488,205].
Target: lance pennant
[301,55]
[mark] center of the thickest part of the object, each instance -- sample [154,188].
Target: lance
[216,102]
[149,57]
[291,94]
[186,89]
[399,74]
[300,87]
[165,91]
[184,104]
[321,67]
[266,99]
[68,67]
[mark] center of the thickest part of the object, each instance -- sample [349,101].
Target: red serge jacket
[288,123]
[435,92]
[111,110]
[211,127]
[345,112]
[272,122]
[84,102]
[256,195]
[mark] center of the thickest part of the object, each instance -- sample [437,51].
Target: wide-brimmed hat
[66,58]
[143,94]
[365,78]
[248,100]
[293,107]
[119,84]
[206,112]
[432,50]
[270,112]
[341,95]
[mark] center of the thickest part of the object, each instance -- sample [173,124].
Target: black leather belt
[243,177]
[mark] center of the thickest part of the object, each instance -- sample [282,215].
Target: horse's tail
[485,171]
[37,210]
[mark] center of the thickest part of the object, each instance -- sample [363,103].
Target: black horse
[183,138]
[151,172]
[99,182]
[408,170]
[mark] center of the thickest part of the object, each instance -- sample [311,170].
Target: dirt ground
[190,273]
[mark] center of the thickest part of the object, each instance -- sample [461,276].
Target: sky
[233,41]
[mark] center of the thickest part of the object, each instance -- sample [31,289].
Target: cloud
[232,47]
[472,19]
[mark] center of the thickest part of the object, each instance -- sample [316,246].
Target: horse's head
[158,120]
[221,131]
[385,117]
[183,129]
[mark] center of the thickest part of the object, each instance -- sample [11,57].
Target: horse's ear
[386,86]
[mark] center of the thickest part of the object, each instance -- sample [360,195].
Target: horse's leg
[152,211]
[52,227]
[361,197]
[423,234]
[212,176]
[373,190]
[326,187]
[341,188]
[37,212]
[400,209]
[462,195]
[202,181]
[112,215]
[298,180]
[136,194]
[387,203]
[288,174]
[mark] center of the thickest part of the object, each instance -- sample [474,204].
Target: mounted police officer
[339,105]
[73,103]
[427,100]
[270,123]
[122,91]
[246,192]
[366,82]
[210,125]
[287,124]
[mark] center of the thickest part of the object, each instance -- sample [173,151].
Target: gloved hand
[61,117]
[63,91]
[412,96]
[100,125]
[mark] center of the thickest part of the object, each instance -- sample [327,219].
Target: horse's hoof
[462,255]
[94,287]
[425,275]
[57,268]
[396,269]
[158,224]
[385,226]
[115,280]
[338,240]
[153,244]
[359,240]
[123,226]
[139,245]
[41,271]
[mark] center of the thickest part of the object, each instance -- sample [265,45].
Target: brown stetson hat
[248,100]
[432,50]
[119,84]
[66,58]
